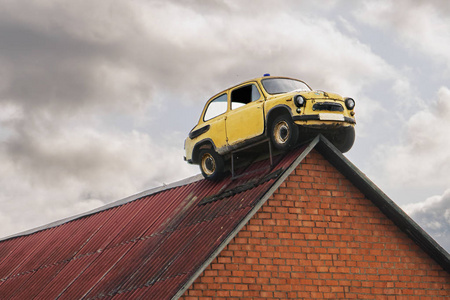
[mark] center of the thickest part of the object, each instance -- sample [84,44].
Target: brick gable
[318,236]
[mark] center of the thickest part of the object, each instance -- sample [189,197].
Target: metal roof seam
[159,273]
[240,189]
[51,265]
[111,244]
[130,289]
[111,267]
[94,233]
[29,271]
[180,253]
[30,255]
[157,276]
[128,281]
[197,221]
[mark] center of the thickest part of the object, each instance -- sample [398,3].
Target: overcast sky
[97,97]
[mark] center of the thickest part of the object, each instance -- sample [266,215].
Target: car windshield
[283,85]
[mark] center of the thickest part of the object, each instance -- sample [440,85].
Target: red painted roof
[154,245]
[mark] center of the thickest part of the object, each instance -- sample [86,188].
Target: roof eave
[384,203]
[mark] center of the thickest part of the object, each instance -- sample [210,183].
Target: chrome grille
[328,106]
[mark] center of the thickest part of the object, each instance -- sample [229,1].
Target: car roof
[257,79]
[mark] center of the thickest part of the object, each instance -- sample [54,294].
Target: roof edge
[384,203]
[113,204]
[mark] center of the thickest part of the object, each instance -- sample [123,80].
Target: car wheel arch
[276,112]
[204,144]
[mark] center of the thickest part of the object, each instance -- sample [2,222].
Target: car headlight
[350,103]
[299,101]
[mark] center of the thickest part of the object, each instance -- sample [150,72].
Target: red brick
[318,237]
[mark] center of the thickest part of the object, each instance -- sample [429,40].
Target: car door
[214,117]
[245,118]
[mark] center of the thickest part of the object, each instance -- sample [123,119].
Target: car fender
[276,111]
[202,144]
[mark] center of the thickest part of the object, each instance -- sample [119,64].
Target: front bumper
[325,117]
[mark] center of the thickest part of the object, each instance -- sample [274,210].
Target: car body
[280,108]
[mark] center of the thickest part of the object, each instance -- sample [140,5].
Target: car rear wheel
[211,164]
[284,133]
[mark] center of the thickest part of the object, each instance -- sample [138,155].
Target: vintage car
[281,109]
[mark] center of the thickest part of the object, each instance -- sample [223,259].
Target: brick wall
[319,237]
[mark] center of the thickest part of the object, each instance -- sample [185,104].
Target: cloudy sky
[96,97]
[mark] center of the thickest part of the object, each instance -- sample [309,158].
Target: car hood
[319,95]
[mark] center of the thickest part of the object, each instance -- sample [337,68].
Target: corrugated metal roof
[155,244]
[148,245]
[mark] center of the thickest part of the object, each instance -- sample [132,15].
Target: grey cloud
[68,68]
[434,216]
[54,60]
[82,56]
[421,157]
[423,26]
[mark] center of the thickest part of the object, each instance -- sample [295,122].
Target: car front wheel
[343,139]
[211,164]
[284,133]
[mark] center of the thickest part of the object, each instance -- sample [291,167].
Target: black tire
[211,164]
[343,139]
[283,132]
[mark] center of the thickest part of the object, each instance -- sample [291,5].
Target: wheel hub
[208,164]
[282,132]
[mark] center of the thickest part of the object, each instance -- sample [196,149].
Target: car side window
[244,95]
[216,107]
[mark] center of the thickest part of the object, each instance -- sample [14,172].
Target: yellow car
[282,109]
